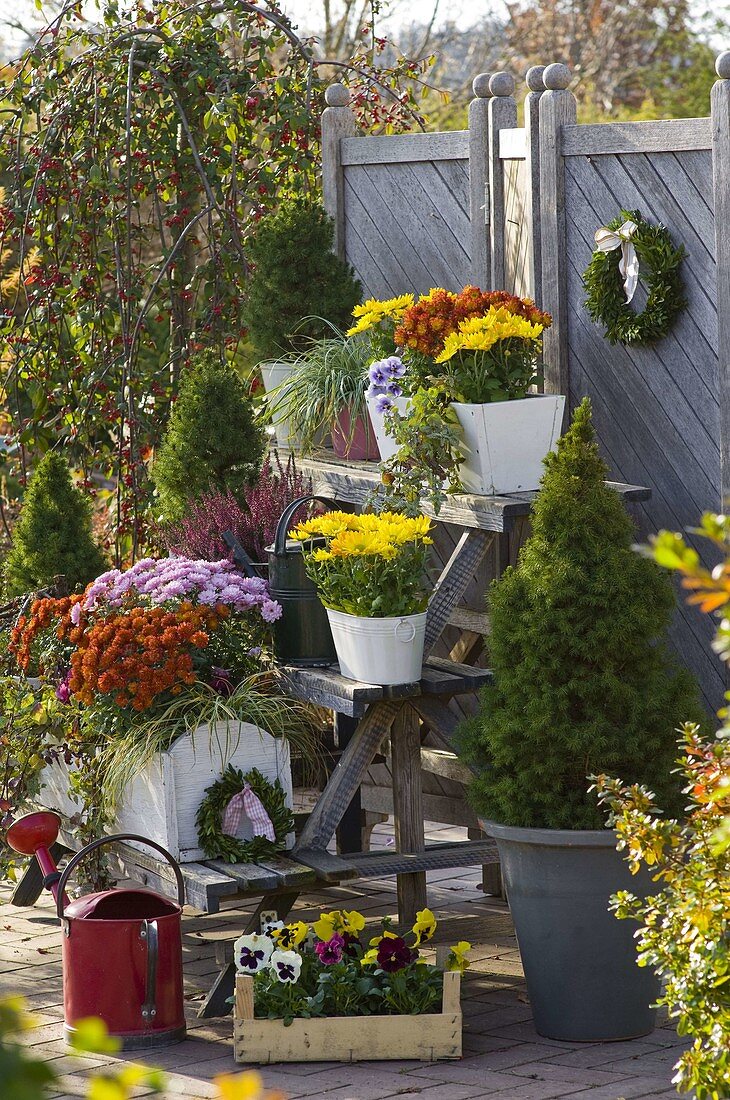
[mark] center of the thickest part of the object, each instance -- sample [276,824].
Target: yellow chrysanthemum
[349,544]
[482,333]
[372,312]
[327,525]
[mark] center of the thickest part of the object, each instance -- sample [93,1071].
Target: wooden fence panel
[656,409]
[517,229]
[407,226]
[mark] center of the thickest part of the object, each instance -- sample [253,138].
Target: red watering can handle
[74,861]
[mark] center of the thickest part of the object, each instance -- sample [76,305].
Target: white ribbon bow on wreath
[246,802]
[608,239]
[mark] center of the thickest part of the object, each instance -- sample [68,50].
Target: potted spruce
[297,291]
[53,537]
[212,442]
[583,684]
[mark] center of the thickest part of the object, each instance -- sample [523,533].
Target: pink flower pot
[354,441]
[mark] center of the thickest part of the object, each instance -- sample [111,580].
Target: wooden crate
[348,1038]
[162,800]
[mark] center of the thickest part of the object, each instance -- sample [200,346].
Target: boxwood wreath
[659,265]
[218,845]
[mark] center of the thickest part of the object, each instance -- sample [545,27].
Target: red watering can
[122,949]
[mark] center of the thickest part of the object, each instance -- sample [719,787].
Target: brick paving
[503,1054]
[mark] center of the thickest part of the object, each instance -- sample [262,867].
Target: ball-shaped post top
[722,65]
[502,84]
[337,95]
[480,85]
[556,77]
[533,78]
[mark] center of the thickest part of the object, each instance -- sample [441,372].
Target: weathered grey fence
[517,208]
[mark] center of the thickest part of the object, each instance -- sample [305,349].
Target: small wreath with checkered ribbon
[209,819]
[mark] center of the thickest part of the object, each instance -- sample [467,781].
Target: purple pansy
[330,951]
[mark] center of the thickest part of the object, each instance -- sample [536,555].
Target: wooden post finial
[722,65]
[534,78]
[480,85]
[502,85]
[556,77]
[337,95]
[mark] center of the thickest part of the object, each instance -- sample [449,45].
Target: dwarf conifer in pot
[583,684]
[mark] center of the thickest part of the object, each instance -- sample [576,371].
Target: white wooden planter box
[386,444]
[504,442]
[347,1038]
[162,801]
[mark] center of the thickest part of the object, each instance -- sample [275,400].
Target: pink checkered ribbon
[246,802]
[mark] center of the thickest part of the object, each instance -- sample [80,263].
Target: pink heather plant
[253,523]
[159,580]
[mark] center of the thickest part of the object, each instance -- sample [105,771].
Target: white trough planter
[505,442]
[386,444]
[161,801]
[379,651]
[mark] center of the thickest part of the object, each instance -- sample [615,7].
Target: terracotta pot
[354,441]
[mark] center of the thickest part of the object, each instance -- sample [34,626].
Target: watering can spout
[34,835]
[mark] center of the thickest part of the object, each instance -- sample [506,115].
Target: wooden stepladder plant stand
[347,1038]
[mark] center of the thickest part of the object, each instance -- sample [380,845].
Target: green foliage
[53,536]
[218,845]
[427,463]
[685,926]
[299,288]
[28,722]
[583,681]
[660,264]
[23,1077]
[212,440]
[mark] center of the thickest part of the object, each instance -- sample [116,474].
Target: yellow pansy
[240,1086]
[328,923]
[291,935]
[424,927]
[370,957]
[352,921]
[386,935]
[457,959]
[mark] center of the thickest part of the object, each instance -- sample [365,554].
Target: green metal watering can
[302,635]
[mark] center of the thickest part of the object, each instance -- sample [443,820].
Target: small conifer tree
[212,441]
[583,681]
[53,535]
[299,288]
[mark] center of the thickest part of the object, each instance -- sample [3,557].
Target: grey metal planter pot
[579,960]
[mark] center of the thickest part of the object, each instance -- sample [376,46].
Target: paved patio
[503,1055]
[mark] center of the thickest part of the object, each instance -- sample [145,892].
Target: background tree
[298,289]
[137,152]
